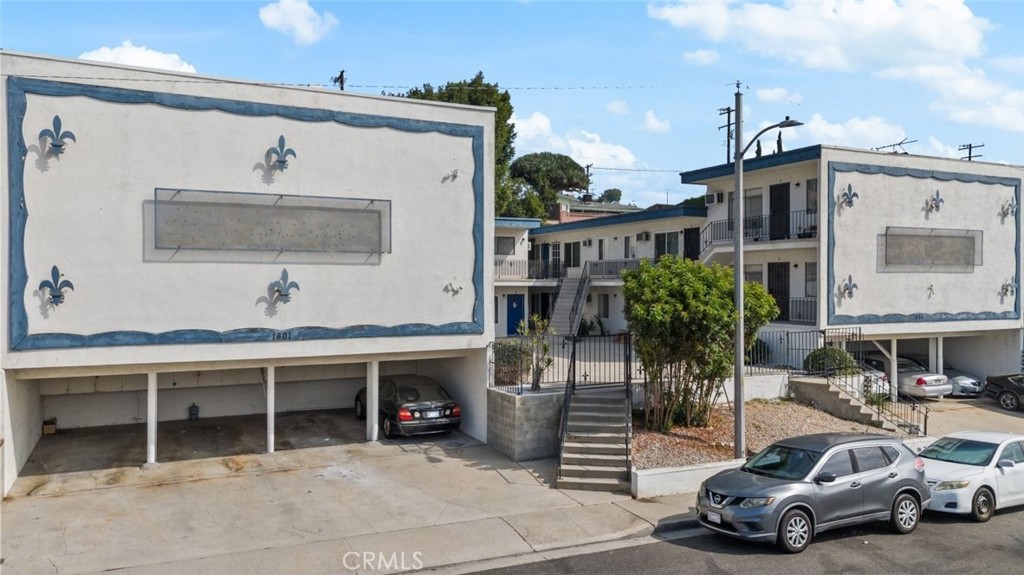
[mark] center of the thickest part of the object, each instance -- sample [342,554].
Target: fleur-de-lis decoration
[281,153]
[57,136]
[1009,288]
[934,203]
[56,286]
[1009,209]
[283,287]
[846,288]
[846,198]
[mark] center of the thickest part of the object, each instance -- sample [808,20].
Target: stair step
[592,484]
[586,472]
[598,401]
[593,459]
[609,438]
[573,448]
[617,416]
[598,427]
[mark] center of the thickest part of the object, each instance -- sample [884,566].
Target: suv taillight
[918,464]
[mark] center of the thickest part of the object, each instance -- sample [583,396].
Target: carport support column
[151,418]
[372,395]
[271,376]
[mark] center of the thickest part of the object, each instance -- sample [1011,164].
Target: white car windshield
[966,451]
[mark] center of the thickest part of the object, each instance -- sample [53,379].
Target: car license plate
[433,414]
[714,517]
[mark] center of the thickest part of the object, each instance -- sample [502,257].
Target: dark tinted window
[422,392]
[869,458]
[891,453]
[839,463]
[387,389]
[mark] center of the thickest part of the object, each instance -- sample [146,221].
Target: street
[941,544]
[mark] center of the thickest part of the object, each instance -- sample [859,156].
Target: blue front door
[516,312]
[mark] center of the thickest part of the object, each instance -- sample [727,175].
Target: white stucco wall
[22,422]
[465,378]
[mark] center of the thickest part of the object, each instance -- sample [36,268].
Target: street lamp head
[787,123]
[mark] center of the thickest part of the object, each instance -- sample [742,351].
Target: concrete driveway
[948,415]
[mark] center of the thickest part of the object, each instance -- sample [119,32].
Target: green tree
[610,195]
[548,174]
[477,92]
[683,321]
[534,334]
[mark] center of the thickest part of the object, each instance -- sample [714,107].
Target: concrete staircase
[595,456]
[561,321]
[816,391]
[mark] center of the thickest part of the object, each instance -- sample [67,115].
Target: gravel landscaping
[767,421]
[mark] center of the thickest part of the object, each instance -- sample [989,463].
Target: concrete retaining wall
[524,427]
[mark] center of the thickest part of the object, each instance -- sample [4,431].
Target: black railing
[787,226]
[803,310]
[525,269]
[612,268]
[628,374]
[570,389]
[576,312]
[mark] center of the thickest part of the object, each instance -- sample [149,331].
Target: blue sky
[632,88]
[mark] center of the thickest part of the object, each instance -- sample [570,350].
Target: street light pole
[739,440]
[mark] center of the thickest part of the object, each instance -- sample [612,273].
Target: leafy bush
[831,361]
[759,354]
[876,400]
[512,361]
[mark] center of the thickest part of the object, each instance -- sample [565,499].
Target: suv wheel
[1009,401]
[905,513]
[794,531]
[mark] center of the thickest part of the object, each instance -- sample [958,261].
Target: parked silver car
[801,486]
[964,384]
[912,379]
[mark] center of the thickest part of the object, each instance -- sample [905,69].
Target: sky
[632,89]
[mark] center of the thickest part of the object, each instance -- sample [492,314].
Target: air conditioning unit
[713,198]
[643,237]
[587,243]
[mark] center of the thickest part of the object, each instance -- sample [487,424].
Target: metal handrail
[907,414]
[798,224]
[570,389]
[629,404]
[575,314]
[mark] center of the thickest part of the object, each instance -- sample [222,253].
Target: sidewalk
[370,508]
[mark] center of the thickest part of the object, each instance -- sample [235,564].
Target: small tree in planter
[536,344]
[511,362]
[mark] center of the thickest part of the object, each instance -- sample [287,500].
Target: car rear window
[422,392]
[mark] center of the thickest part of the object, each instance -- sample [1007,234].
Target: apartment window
[572,254]
[496,315]
[811,279]
[753,273]
[628,247]
[666,244]
[600,248]
[504,245]
[812,196]
[556,258]
[602,305]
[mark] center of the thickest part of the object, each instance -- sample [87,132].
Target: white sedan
[975,472]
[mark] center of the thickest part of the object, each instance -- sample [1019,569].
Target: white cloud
[587,148]
[926,42]
[534,134]
[864,133]
[132,55]
[701,57]
[937,148]
[297,19]
[779,95]
[654,124]
[617,107]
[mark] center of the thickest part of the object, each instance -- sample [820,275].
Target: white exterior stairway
[561,319]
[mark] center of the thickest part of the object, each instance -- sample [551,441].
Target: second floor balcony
[518,269]
[760,228]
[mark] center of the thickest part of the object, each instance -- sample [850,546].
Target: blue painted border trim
[835,319]
[18,337]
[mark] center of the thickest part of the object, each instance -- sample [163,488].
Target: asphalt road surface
[941,544]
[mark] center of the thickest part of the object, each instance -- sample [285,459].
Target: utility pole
[339,80]
[727,112]
[970,151]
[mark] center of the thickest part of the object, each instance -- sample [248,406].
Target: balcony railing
[525,269]
[786,226]
[611,268]
[803,310]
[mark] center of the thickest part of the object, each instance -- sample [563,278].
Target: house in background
[571,209]
[176,240]
[920,254]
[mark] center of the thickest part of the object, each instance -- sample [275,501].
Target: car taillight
[457,411]
[922,381]
[404,415]
[918,464]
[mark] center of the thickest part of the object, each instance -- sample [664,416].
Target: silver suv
[798,487]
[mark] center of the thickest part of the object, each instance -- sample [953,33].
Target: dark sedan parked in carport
[412,404]
[1006,389]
